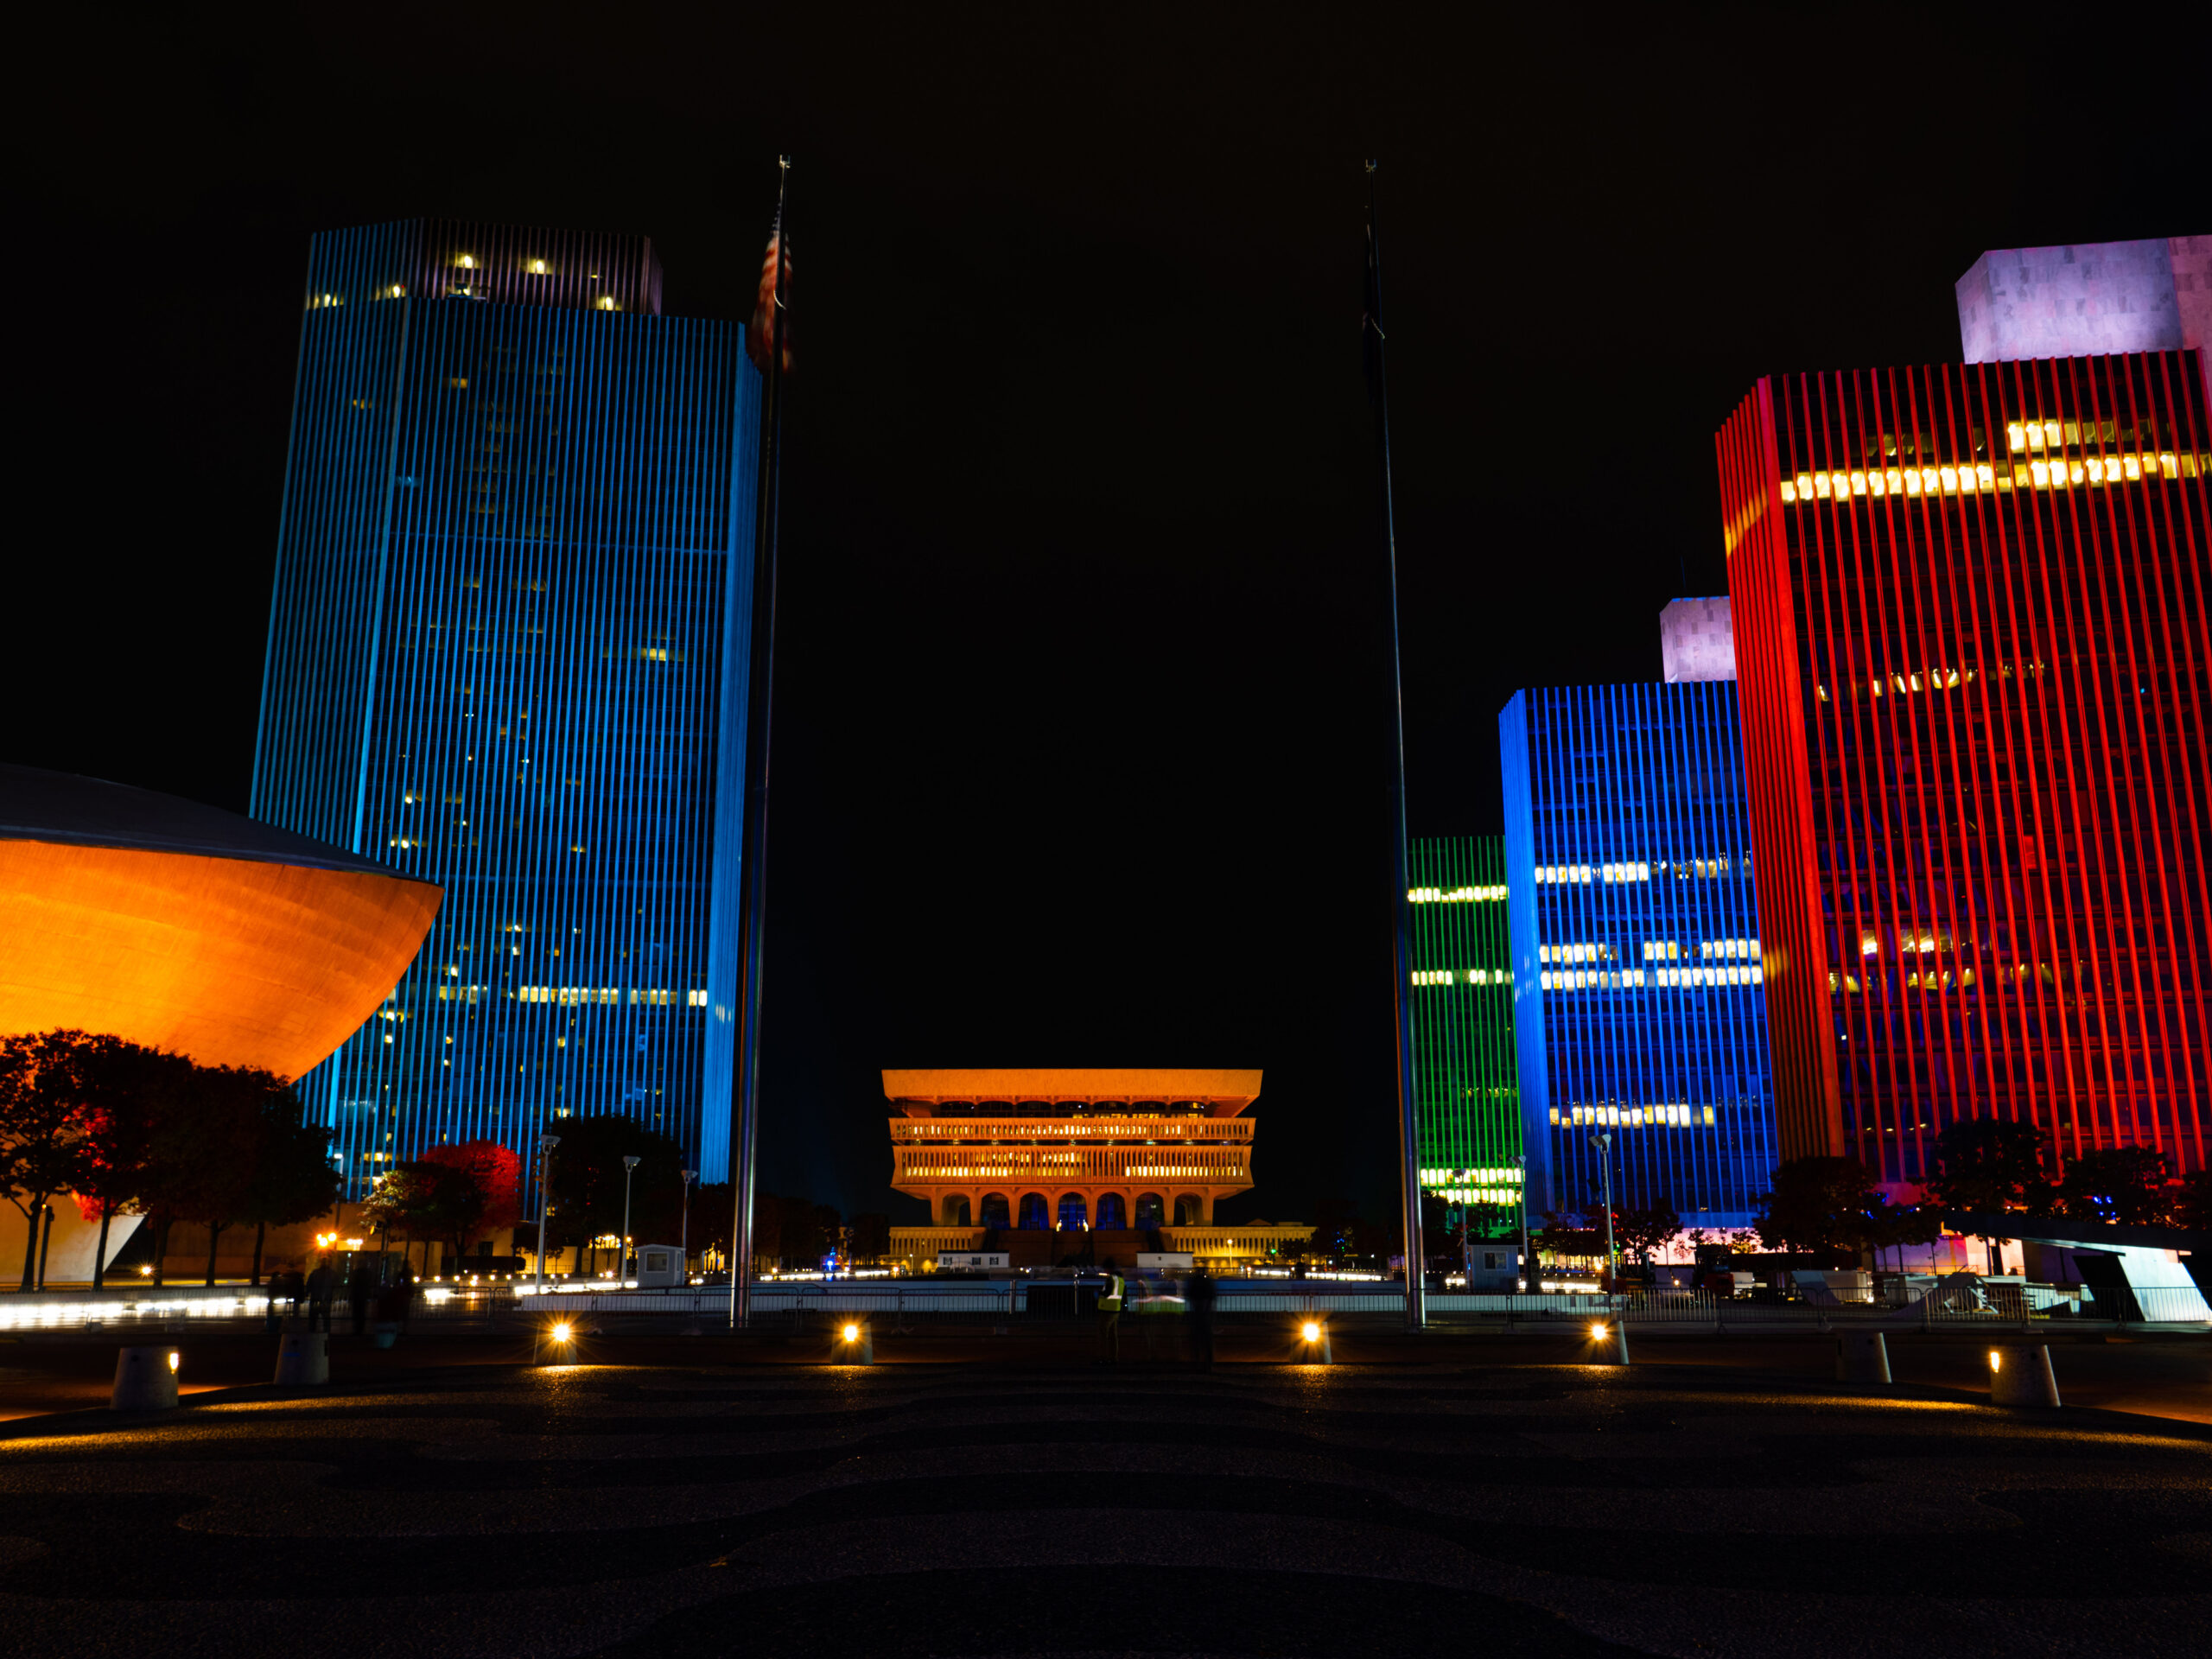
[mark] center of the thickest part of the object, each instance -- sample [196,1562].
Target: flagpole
[1400,910]
[760,710]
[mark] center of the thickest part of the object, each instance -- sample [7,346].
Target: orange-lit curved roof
[177,926]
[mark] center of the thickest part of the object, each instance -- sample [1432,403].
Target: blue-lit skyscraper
[507,653]
[1638,1009]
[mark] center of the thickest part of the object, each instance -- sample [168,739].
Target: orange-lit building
[1121,1157]
[187,928]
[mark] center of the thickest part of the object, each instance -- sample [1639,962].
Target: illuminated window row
[1931,979]
[1742,950]
[1633,979]
[1557,875]
[1981,477]
[1478,1194]
[1575,953]
[1462,976]
[1675,1116]
[2058,435]
[1457,896]
[570,995]
[1911,941]
[1487,1177]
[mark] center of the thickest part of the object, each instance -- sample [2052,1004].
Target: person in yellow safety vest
[1109,1319]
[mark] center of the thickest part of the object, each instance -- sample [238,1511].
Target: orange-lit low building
[187,928]
[1092,1162]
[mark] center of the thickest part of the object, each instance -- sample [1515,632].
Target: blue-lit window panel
[508,655]
[1639,1009]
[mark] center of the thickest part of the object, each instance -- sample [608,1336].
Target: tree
[1820,1206]
[871,1237]
[1893,1226]
[127,1090]
[1643,1229]
[587,1178]
[2194,1208]
[41,1127]
[487,1199]
[206,1151]
[1990,1165]
[292,1179]
[2124,1184]
[712,1210]
[413,1200]
[1336,1224]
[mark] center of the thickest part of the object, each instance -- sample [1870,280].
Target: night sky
[1081,745]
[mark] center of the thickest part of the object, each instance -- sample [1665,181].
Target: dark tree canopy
[1989,1164]
[1820,1206]
[2128,1185]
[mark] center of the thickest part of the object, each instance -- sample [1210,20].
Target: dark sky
[1080,744]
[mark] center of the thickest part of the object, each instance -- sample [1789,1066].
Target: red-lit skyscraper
[1971,622]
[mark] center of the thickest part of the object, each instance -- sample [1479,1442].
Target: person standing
[321,1283]
[294,1285]
[360,1288]
[1198,1296]
[401,1296]
[1110,1317]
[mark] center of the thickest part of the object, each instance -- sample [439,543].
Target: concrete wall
[68,1252]
[2088,299]
[1697,640]
[2078,300]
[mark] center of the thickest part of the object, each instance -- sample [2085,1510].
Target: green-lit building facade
[1465,1075]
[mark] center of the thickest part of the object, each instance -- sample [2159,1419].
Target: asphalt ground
[1037,1505]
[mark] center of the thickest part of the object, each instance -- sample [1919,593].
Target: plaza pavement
[1467,1508]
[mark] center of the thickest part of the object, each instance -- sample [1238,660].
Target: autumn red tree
[490,1199]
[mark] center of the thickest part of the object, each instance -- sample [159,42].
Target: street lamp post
[683,1248]
[1527,1257]
[1604,1145]
[622,1251]
[546,1145]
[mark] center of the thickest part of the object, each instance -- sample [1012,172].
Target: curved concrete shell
[187,928]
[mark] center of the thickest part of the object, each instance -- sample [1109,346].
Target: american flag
[768,330]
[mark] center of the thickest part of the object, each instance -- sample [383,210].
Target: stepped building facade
[1048,1165]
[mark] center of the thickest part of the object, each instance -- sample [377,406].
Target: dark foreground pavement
[2158,1376]
[1450,1508]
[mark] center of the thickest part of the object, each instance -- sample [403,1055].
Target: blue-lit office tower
[507,653]
[1637,1005]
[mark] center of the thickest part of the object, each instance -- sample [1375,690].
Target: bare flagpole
[1401,958]
[759,704]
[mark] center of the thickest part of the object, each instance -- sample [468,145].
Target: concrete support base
[1862,1357]
[145,1380]
[2021,1375]
[303,1359]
